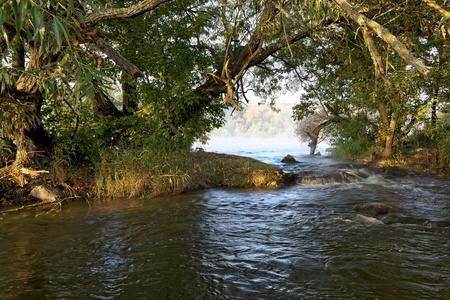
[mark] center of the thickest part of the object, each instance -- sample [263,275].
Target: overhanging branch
[124,63]
[385,35]
[99,16]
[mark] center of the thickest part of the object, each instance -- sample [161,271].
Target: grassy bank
[425,161]
[420,161]
[133,173]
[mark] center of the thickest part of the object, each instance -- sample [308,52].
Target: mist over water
[239,143]
[257,128]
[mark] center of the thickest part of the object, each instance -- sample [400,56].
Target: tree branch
[434,5]
[445,14]
[286,41]
[376,58]
[384,34]
[99,16]
[124,63]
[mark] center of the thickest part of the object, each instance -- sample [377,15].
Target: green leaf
[37,20]
[65,32]
[57,33]
[5,36]
[2,17]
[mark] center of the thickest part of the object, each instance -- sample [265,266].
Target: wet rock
[46,193]
[396,171]
[368,220]
[371,210]
[430,224]
[273,185]
[330,178]
[288,159]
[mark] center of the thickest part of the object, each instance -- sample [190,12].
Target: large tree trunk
[314,136]
[15,169]
[130,98]
[388,129]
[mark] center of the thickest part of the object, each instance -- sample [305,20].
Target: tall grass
[135,172]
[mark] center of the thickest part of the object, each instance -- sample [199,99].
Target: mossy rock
[289,159]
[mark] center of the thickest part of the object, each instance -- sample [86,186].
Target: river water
[304,241]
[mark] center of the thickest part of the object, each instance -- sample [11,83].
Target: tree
[184,63]
[397,94]
[309,129]
[55,37]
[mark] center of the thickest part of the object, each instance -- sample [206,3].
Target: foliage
[186,55]
[338,75]
[174,64]
[353,138]
[5,150]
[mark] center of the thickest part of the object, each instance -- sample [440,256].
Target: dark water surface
[301,242]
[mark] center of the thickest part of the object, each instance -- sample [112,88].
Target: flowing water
[304,241]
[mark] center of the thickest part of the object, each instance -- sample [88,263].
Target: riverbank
[136,177]
[129,174]
[422,162]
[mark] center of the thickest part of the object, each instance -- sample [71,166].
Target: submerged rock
[288,159]
[371,210]
[396,171]
[46,193]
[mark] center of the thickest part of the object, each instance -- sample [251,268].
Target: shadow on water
[302,242]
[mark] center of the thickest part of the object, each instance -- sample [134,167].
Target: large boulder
[46,193]
[288,159]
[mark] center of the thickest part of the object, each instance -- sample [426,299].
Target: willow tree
[45,56]
[184,62]
[406,57]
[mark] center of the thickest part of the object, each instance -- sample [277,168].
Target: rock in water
[46,193]
[396,171]
[371,210]
[288,159]
[367,220]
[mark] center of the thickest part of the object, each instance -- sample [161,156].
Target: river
[304,241]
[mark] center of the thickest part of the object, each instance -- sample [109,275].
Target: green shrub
[353,138]
[352,148]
